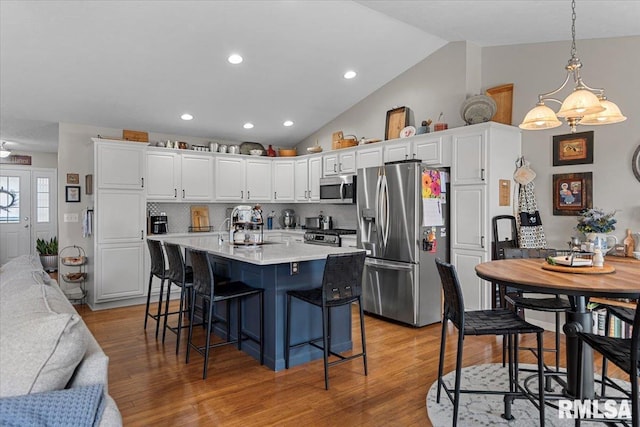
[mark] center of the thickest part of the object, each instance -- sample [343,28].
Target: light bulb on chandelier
[585,105]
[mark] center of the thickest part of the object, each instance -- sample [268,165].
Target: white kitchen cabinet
[307,179]
[397,151]
[468,226]
[119,165]
[339,162]
[258,180]
[369,156]
[432,149]
[470,158]
[120,216]
[196,177]
[119,222]
[179,177]
[482,156]
[283,180]
[119,271]
[474,290]
[163,175]
[229,179]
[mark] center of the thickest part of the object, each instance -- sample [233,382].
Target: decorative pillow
[39,352]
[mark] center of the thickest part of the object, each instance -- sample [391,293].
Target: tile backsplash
[179,214]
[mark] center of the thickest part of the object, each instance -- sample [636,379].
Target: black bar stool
[181,276]
[341,285]
[206,287]
[157,270]
[483,322]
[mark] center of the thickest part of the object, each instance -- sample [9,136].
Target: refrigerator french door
[400,279]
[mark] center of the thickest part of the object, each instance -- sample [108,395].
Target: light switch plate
[71,217]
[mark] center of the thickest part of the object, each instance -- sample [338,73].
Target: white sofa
[45,347]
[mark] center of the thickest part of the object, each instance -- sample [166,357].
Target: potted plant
[48,251]
[596,224]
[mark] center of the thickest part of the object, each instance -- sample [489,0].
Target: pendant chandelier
[584,106]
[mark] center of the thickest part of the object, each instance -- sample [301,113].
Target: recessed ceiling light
[350,74]
[288,123]
[235,59]
[186,116]
[248,125]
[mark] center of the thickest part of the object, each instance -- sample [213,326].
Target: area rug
[486,410]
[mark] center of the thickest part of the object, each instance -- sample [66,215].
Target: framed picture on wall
[573,149]
[572,192]
[72,194]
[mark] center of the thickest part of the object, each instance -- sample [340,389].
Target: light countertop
[266,254]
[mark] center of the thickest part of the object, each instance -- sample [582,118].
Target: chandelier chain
[573,28]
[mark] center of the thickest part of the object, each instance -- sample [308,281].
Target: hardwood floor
[153,386]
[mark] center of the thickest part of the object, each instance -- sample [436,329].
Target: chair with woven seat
[626,315]
[181,276]
[206,288]
[341,285]
[625,354]
[555,304]
[157,270]
[483,322]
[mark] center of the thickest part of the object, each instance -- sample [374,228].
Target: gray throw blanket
[78,406]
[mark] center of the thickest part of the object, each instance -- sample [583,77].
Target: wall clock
[635,163]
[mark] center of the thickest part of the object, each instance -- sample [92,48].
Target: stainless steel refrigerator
[402,225]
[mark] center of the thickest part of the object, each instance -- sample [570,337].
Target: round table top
[527,274]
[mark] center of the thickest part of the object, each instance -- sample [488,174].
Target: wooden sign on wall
[16,159]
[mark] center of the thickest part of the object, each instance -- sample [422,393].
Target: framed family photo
[572,192]
[573,149]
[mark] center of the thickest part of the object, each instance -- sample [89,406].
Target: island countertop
[268,253]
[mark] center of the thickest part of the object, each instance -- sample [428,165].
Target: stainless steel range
[326,237]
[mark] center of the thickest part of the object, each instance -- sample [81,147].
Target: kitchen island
[276,267]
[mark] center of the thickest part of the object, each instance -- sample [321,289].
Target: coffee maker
[158,224]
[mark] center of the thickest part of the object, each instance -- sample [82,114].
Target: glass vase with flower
[596,224]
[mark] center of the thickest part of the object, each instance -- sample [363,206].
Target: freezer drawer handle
[388,265]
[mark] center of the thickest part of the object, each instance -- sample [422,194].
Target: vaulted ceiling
[141,64]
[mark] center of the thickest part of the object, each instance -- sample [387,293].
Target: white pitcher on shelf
[603,241]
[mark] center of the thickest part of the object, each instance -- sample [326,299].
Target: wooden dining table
[529,275]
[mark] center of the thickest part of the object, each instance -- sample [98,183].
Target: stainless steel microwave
[338,189]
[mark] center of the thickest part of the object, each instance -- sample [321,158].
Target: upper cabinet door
[315,172]
[163,173]
[347,162]
[229,178]
[397,152]
[283,180]
[429,149]
[197,178]
[469,158]
[258,180]
[330,164]
[120,165]
[112,225]
[368,157]
[301,180]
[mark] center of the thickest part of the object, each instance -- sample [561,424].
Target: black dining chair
[181,276]
[341,285]
[158,270]
[554,304]
[625,354]
[502,322]
[626,315]
[206,288]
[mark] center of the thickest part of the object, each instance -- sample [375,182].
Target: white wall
[442,81]
[607,63]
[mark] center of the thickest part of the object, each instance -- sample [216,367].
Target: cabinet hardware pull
[334,167]
[248,194]
[340,167]
[275,195]
[482,242]
[242,194]
[175,192]
[482,174]
[142,181]
[183,193]
[141,234]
